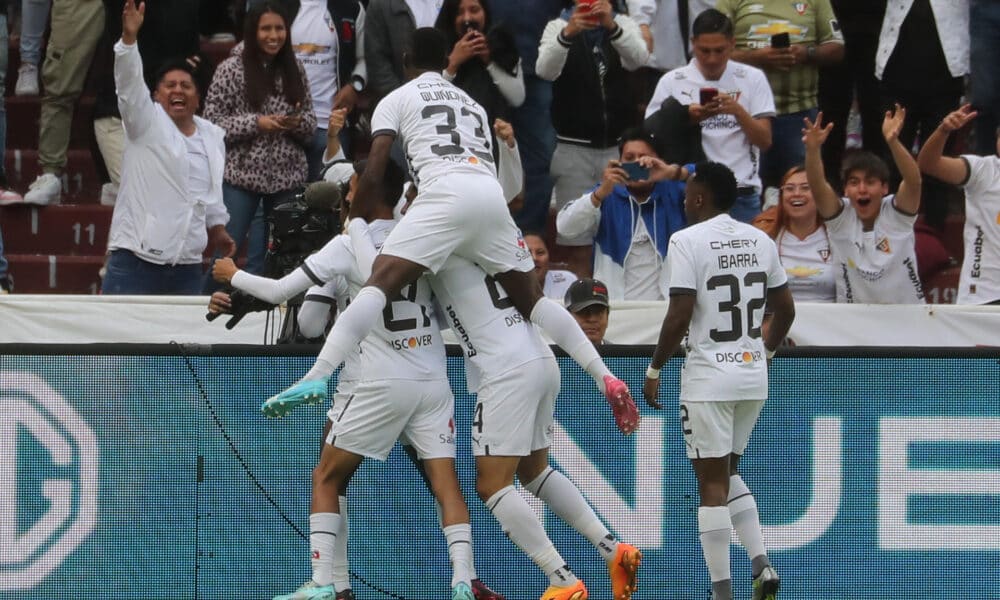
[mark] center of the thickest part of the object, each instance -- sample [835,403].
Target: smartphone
[706,95]
[781,40]
[468,26]
[635,171]
[586,6]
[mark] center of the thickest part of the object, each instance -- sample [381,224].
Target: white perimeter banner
[66,319]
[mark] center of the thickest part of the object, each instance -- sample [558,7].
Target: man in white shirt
[720,274]
[871,231]
[170,202]
[979,282]
[732,101]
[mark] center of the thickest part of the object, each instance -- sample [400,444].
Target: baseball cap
[586,292]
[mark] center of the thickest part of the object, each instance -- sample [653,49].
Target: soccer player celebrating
[460,209]
[720,274]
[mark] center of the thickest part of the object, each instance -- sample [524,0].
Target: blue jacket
[612,225]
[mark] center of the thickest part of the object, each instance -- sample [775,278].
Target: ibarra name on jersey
[733,261]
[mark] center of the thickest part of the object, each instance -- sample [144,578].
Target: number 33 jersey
[728,266]
[441,128]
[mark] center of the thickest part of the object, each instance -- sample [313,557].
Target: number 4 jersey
[441,128]
[729,267]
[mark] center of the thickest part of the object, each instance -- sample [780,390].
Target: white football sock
[715,531]
[562,328]
[348,330]
[341,565]
[323,528]
[746,521]
[521,525]
[459,537]
[564,498]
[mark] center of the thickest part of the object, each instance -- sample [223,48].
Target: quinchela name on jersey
[443,94]
[742,259]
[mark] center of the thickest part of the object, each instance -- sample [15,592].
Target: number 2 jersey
[406,342]
[729,267]
[441,128]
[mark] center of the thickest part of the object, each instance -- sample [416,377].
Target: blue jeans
[536,141]
[314,154]
[34,18]
[984,33]
[129,274]
[786,149]
[746,207]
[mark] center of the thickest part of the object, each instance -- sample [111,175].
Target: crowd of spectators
[590,89]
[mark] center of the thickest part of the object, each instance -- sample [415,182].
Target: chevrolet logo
[770,28]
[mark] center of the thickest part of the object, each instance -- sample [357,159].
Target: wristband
[769,353]
[652,373]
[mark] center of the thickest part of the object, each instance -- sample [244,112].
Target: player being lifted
[384,393]
[516,379]
[460,209]
[720,275]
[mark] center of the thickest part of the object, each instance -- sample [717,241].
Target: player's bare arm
[907,197]
[932,160]
[370,183]
[781,309]
[675,325]
[814,134]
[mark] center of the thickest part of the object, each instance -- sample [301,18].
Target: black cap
[586,292]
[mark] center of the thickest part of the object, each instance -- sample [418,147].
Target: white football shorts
[716,429]
[374,414]
[514,412]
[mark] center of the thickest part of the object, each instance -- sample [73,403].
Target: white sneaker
[47,189]
[109,193]
[10,197]
[27,80]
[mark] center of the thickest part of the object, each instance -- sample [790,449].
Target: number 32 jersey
[442,129]
[729,267]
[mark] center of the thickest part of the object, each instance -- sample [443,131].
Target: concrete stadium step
[23,113]
[69,229]
[55,274]
[81,183]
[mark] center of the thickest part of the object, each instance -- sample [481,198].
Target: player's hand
[132,19]
[892,124]
[220,303]
[814,133]
[504,131]
[651,392]
[223,270]
[959,118]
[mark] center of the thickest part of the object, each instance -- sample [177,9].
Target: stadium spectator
[587,301]
[628,220]
[665,26]
[6,282]
[389,26]
[984,71]
[170,204]
[169,31]
[732,102]
[789,42]
[260,97]
[7,196]
[871,231]
[483,59]
[922,58]
[979,282]
[803,242]
[34,18]
[586,52]
[532,120]
[76,26]
[853,79]
[554,282]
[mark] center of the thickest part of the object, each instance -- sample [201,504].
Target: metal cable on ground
[253,478]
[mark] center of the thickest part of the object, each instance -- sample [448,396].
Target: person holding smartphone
[789,41]
[629,219]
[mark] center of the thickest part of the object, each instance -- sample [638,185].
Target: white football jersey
[441,128]
[979,282]
[809,265]
[722,138]
[729,267]
[877,266]
[406,343]
[494,336]
[338,292]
